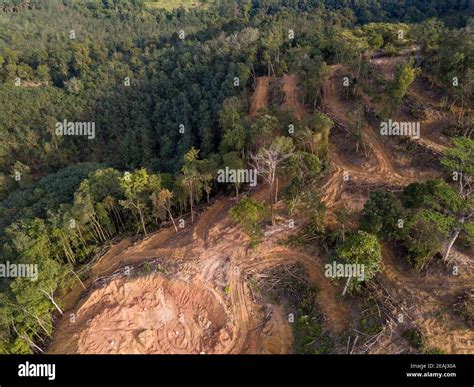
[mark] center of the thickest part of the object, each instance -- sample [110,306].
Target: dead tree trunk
[450,243]
[50,297]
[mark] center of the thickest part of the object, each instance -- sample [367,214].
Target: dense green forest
[168,92]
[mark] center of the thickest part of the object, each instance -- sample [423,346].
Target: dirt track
[337,108]
[259,98]
[206,220]
[204,304]
[431,295]
[290,88]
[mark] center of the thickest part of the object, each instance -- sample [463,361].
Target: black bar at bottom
[157,370]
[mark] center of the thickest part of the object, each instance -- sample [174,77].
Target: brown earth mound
[150,314]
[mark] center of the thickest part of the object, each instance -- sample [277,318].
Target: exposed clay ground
[152,314]
[192,296]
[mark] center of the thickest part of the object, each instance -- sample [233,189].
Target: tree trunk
[81,238]
[276,191]
[73,272]
[99,228]
[271,204]
[97,235]
[191,203]
[450,243]
[50,297]
[67,249]
[272,68]
[172,220]
[25,337]
[119,217]
[142,220]
[40,321]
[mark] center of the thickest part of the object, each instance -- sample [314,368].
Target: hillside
[250,177]
[206,257]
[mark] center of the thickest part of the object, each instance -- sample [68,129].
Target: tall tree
[267,162]
[405,74]
[364,249]
[233,161]
[137,187]
[162,202]
[190,177]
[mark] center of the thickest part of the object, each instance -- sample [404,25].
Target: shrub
[249,213]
